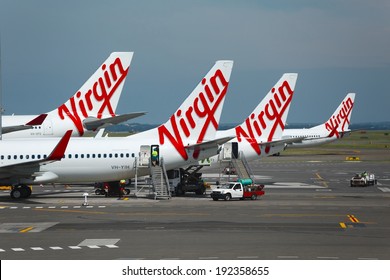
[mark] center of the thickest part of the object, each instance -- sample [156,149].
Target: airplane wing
[29,167]
[95,123]
[36,121]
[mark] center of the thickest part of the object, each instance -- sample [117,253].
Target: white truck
[238,190]
[363,179]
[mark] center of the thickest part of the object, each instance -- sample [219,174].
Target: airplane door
[230,150]
[234,149]
[227,151]
[144,155]
[155,152]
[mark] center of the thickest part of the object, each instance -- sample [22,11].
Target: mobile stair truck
[242,189]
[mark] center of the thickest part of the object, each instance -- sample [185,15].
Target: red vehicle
[253,191]
[111,189]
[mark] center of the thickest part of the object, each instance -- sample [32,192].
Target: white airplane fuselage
[88,160]
[313,137]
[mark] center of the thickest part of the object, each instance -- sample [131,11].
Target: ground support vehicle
[363,179]
[111,189]
[186,180]
[237,190]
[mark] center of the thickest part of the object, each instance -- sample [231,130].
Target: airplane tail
[267,121]
[339,122]
[197,118]
[99,95]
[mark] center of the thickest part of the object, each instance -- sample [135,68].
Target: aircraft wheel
[16,193]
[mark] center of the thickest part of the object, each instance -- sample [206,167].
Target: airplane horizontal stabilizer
[95,123]
[210,144]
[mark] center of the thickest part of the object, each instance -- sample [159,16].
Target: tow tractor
[242,189]
[363,179]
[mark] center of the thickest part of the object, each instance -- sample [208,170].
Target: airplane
[331,130]
[187,137]
[260,134]
[90,108]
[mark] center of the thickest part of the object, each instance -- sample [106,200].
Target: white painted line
[247,257]
[111,246]
[26,207]
[18,249]
[328,258]
[64,207]
[52,207]
[288,257]
[56,248]
[74,247]
[98,242]
[37,248]
[93,247]
[384,189]
[13,207]
[102,206]
[1,250]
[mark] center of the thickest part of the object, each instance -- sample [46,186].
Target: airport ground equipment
[160,181]
[111,189]
[363,179]
[186,180]
[242,189]
[235,161]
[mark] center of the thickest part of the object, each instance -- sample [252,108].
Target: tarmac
[308,212]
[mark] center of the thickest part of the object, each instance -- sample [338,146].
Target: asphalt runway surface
[308,212]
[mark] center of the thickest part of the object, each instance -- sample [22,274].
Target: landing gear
[20,191]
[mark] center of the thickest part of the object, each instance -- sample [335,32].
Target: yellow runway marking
[342,225]
[353,219]
[323,180]
[26,229]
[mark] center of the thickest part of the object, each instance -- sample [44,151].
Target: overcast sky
[49,48]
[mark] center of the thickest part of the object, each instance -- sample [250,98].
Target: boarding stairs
[242,167]
[160,183]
